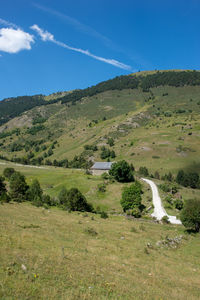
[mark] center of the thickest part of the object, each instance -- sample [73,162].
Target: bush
[178,204]
[35,192]
[62,197]
[8,172]
[131,197]
[2,185]
[165,220]
[143,171]
[190,215]
[77,202]
[110,142]
[187,179]
[164,187]
[3,192]
[4,198]
[136,212]
[169,199]
[101,187]
[18,187]
[121,171]
[103,215]
[105,175]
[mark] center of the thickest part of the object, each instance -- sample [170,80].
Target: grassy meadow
[52,254]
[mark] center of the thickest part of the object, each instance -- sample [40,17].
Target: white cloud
[15,40]
[47,36]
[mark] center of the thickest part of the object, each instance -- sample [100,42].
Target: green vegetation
[134,120]
[190,179]
[12,107]
[131,199]
[190,215]
[121,171]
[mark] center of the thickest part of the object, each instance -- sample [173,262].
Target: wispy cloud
[47,36]
[132,54]
[6,23]
[75,23]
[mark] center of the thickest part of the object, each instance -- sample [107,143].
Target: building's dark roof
[102,166]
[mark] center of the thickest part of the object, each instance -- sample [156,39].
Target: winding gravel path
[159,211]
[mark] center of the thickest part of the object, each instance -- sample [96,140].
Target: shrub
[188,179]
[18,187]
[37,201]
[8,172]
[136,212]
[131,197]
[102,187]
[121,171]
[178,204]
[3,192]
[143,171]
[103,215]
[2,186]
[165,187]
[35,192]
[156,175]
[91,231]
[4,198]
[105,176]
[169,199]
[77,202]
[165,220]
[190,215]
[46,200]
[62,196]
[110,142]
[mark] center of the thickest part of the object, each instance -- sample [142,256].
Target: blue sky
[48,46]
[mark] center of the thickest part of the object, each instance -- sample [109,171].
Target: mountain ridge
[144,122]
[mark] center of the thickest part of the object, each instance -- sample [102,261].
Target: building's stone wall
[99,172]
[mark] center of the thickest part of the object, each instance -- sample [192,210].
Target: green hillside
[152,119]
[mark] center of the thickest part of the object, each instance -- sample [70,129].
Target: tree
[18,187]
[110,142]
[190,215]
[112,154]
[3,192]
[193,179]
[2,186]
[131,199]
[178,204]
[190,179]
[144,171]
[77,202]
[121,171]
[62,197]
[8,172]
[35,192]
[180,177]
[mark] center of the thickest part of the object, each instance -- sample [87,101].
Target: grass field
[79,256]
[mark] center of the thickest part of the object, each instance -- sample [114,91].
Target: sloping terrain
[152,119]
[59,255]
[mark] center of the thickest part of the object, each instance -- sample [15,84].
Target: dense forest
[13,107]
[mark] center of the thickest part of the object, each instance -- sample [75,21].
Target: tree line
[12,107]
